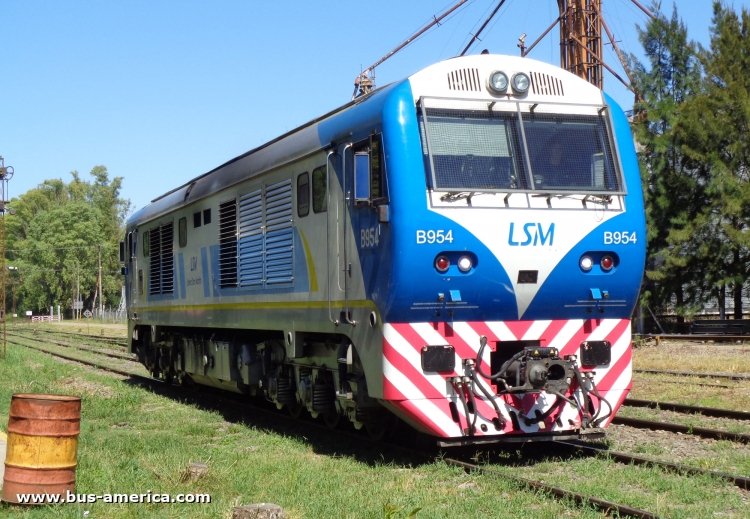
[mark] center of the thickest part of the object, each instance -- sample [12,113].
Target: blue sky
[160,91]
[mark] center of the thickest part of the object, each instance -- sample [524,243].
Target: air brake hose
[497,376]
[602,399]
[586,414]
[462,398]
[473,405]
[543,416]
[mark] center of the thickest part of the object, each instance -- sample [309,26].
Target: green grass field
[133,441]
[136,441]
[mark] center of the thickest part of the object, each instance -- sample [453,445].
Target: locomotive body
[462,249]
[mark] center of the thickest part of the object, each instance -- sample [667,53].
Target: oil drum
[42,447]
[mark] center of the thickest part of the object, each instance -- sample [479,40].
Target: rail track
[719,375]
[105,352]
[682,408]
[703,432]
[128,367]
[229,400]
[116,341]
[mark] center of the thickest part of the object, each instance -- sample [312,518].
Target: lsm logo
[531,234]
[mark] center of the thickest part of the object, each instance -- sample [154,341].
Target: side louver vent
[466,80]
[161,266]
[543,84]
[228,244]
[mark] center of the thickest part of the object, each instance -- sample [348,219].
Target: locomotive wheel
[379,426]
[376,430]
[331,419]
[295,409]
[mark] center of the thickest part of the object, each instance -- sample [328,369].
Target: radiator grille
[546,85]
[228,244]
[465,80]
[161,262]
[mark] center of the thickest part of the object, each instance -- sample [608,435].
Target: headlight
[465,263]
[586,263]
[520,83]
[498,82]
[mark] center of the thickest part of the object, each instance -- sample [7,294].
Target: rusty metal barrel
[42,446]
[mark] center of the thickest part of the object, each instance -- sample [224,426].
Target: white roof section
[467,77]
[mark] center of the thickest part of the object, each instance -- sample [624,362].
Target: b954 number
[620,237]
[434,236]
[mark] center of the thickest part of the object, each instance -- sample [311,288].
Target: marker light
[498,82]
[442,263]
[586,263]
[464,264]
[607,262]
[520,83]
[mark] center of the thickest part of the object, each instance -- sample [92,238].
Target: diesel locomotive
[461,249]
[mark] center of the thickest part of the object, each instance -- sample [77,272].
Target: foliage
[671,188]
[57,235]
[694,111]
[712,127]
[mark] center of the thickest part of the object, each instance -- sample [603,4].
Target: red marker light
[607,262]
[442,263]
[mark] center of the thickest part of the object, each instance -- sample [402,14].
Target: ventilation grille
[256,238]
[546,85]
[228,244]
[465,80]
[161,267]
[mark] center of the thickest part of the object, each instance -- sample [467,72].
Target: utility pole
[6,173]
[99,283]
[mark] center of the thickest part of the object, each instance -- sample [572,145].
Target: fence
[44,318]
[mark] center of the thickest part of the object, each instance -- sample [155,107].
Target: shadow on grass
[403,446]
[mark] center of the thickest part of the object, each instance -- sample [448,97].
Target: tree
[57,236]
[712,127]
[672,183]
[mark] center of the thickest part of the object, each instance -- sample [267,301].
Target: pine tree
[712,128]
[672,183]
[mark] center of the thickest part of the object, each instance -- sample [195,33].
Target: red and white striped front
[430,401]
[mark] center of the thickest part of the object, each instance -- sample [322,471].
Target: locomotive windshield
[473,150]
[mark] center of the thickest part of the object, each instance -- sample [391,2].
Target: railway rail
[719,375]
[682,408]
[718,338]
[608,507]
[118,341]
[106,352]
[742,482]
[703,432]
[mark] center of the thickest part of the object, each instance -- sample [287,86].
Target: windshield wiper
[604,200]
[455,196]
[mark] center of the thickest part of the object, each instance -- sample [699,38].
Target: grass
[704,392]
[666,495]
[135,441]
[693,356]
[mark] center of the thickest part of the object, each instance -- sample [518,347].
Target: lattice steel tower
[581,38]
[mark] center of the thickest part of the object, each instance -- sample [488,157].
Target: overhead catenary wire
[364,82]
[475,37]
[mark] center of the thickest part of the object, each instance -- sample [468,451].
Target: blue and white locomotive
[462,249]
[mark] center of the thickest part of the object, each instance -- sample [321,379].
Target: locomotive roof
[294,144]
[306,139]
